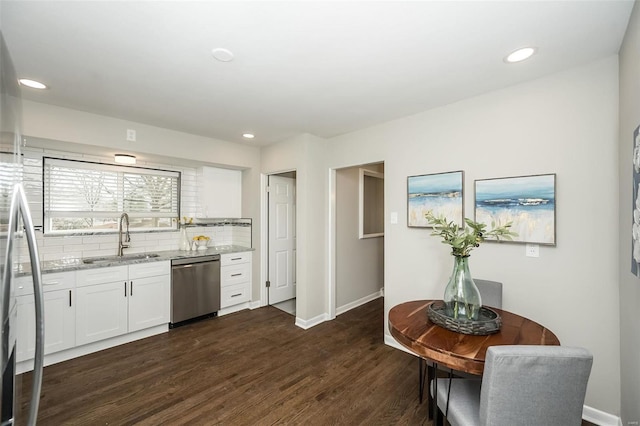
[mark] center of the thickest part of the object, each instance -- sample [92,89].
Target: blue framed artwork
[528,202]
[438,192]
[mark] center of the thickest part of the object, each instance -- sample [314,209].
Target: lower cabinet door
[59,320]
[148,302]
[101,311]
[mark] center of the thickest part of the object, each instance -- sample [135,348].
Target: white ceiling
[324,68]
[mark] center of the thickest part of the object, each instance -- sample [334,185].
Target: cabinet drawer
[235,258]
[149,269]
[50,282]
[235,294]
[236,274]
[59,281]
[94,276]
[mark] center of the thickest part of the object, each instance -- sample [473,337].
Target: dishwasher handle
[193,260]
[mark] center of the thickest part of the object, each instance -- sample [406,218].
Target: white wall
[359,262]
[305,154]
[51,122]
[629,284]
[566,124]
[63,124]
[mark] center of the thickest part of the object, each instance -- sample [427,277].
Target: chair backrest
[490,292]
[534,385]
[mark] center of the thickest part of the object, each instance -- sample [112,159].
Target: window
[371,204]
[90,197]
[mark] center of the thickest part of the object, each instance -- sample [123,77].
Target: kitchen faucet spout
[127,237]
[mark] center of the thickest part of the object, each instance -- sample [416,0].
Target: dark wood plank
[249,368]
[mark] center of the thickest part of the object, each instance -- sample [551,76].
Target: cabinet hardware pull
[236,275]
[236,295]
[125,289]
[236,258]
[131,292]
[51,282]
[69,298]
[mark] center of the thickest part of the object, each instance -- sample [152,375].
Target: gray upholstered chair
[491,295]
[490,292]
[521,385]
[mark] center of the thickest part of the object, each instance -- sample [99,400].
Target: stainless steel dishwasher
[195,288]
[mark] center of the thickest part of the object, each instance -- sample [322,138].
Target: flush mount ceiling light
[32,83]
[125,159]
[520,55]
[223,55]
[248,135]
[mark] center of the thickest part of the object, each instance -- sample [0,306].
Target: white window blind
[10,174]
[80,196]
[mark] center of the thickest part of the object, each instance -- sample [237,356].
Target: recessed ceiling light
[32,83]
[520,54]
[223,55]
[248,135]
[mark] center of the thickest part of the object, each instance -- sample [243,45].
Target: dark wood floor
[248,368]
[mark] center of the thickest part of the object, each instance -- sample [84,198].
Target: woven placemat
[488,321]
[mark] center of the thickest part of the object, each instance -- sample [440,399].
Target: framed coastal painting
[439,192]
[529,202]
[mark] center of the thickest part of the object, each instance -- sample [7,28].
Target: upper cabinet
[219,192]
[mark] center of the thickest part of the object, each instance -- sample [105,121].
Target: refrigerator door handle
[20,207]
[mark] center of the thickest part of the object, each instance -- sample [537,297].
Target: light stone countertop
[128,259]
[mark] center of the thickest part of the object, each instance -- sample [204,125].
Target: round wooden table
[409,325]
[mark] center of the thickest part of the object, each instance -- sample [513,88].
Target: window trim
[96,165]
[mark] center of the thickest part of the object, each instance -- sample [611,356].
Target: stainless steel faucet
[127,237]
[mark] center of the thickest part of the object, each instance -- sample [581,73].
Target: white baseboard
[234,308]
[239,307]
[390,341]
[589,414]
[600,418]
[306,324]
[359,302]
[54,358]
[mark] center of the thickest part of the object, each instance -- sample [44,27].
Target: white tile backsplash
[69,247]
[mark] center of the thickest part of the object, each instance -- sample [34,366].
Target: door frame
[264,232]
[332,231]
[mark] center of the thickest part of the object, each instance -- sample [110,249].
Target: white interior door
[282,238]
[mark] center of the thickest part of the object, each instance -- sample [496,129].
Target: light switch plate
[533,250]
[131,135]
[394,218]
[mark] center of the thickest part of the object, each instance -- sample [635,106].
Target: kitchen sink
[111,259]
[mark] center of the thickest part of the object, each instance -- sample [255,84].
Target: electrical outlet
[533,250]
[131,135]
[394,218]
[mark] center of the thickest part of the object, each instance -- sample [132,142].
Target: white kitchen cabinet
[235,278]
[148,302]
[59,314]
[138,299]
[101,311]
[149,289]
[220,192]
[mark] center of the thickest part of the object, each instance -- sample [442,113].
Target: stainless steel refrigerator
[16,230]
